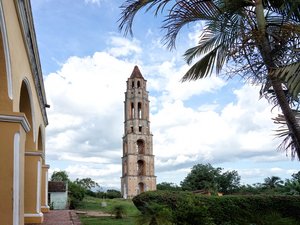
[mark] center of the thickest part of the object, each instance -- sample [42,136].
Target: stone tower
[138,159]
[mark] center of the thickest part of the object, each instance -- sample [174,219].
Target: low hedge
[191,209]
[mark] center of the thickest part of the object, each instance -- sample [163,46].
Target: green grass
[94,204]
[106,221]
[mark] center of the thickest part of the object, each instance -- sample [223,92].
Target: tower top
[136,73]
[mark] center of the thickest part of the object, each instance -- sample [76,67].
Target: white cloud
[97,2]
[86,117]
[123,47]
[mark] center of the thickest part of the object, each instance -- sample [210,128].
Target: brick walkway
[61,217]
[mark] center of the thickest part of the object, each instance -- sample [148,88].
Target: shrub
[119,211]
[188,208]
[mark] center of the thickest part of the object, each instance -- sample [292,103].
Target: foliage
[87,183]
[258,40]
[155,214]
[119,211]
[272,182]
[296,176]
[188,208]
[273,219]
[183,207]
[60,176]
[85,220]
[111,193]
[168,187]
[76,194]
[212,179]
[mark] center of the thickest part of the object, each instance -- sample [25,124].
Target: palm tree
[272,182]
[258,39]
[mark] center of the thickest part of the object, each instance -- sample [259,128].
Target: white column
[16,185]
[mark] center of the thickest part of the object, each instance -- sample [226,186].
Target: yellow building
[23,172]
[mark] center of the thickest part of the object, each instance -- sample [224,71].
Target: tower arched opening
[125,167]
[140,146]
[140,110]
[141,168]
[132,110]
[138,84]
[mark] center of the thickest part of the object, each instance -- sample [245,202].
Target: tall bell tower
[138,159]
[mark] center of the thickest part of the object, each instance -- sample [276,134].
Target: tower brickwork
[138,159]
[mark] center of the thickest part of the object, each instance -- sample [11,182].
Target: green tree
[258,39]
[229,182]
[60,176]
[168,186]
[87,183]
[111,193]
[272,182]
[292,187]
[296,176]
[212,179]
[76,194]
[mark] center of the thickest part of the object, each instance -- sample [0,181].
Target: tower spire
[136,73]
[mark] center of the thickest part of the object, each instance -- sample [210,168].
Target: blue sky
[86,62]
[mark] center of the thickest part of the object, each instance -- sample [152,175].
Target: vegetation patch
[188,208]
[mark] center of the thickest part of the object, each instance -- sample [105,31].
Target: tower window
[131,129]
[132,110]
[138,84]
[140,146]
[125,168]
[141,168]
[140,128]
[132,84]
[140,110]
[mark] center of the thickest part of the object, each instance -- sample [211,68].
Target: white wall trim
[33,214]
[16,119]
[6,52]
[40,154]
[16,180]
[39,185]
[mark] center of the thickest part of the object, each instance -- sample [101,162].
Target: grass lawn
[106,221]
[94,204]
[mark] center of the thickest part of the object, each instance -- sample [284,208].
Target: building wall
[59,200]
[22,116]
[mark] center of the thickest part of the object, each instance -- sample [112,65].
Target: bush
[119,211]
[188,208]
[76,195]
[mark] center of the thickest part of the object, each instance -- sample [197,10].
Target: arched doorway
[141,187]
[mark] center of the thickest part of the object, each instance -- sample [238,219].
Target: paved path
[61,217]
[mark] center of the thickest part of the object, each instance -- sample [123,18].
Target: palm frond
[130,7]
[290,9]
[288,143]
[289,74]
[203,67]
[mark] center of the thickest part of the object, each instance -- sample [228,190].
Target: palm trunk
[265,50]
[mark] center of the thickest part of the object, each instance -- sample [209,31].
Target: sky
[86,62]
